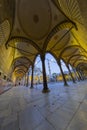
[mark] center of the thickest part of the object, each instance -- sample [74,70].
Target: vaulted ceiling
[29,28]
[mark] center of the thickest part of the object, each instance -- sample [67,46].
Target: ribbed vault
[55,26]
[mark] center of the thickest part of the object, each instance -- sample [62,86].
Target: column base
[74,82]
[45,91]
[31,87]
[78,80]
[66,85]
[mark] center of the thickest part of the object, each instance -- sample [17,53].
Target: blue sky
[52,63]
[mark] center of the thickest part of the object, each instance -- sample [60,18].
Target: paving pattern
[4,89]
[64,108]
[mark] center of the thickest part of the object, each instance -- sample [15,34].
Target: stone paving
[4,89]
[64,108]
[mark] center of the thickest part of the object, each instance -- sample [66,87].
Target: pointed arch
[71,46]
[58,27]
[23,39]
[77,55]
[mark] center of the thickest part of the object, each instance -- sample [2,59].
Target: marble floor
[63,108]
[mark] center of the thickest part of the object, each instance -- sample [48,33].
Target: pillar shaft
[70,73]
[82,75]
[27,80]
[76,75]
[64,79]
[32,76]
[79,74]
[45,86]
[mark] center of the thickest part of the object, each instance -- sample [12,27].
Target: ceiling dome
[35,21]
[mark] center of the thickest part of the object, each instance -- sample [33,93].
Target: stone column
[32,76]
[76,75]
[83,75]
[64,79]
[70,73]
[45,87]
[79,74]
[27,79]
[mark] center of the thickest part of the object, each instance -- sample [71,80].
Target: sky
[52,63]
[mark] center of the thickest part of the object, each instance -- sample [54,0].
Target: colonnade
[79,75]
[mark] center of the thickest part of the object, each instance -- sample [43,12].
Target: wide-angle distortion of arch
[58,27]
